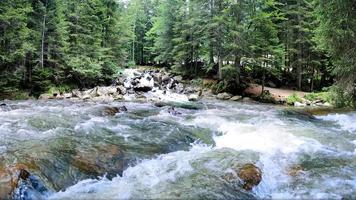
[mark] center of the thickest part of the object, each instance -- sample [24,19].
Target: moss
[293,99]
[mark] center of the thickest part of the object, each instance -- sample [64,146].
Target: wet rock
[224,96]
[9,179]
[295,170]
[250,176]
[193,97]
[112,111]
[172,111]
[236,98]
[100,160]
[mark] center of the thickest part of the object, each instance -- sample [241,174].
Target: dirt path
[255,90]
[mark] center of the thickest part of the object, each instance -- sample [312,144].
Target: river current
[74,150]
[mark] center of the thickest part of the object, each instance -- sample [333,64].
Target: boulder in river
[193,97]
[173,111]
[100,160]
[111,111]
[250,176]
[9,179]
[224,96]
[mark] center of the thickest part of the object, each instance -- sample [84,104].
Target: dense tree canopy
[303,44]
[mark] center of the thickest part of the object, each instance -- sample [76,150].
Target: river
[75,150]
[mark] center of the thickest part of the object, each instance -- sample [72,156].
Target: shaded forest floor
[254,90]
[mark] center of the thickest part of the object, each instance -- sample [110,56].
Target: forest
[307,45]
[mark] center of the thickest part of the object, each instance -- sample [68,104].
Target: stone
[67,95]
[77,93]
[250,176]
[112,111]
[144,84]
[101,91]
[295,170]
[193,97]
[224,96]
[298,104]
[102,159]
[172,111]
[122,90]
[236,98]
[178,78]
[45,97]
[179,88]
[9,179]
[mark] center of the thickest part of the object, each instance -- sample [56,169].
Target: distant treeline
[305,44]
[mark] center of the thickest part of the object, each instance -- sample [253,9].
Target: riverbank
[146,84]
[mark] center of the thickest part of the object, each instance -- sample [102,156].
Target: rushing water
[76,151]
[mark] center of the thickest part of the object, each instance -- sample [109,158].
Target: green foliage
[266,97]
[323,96]
[293,99]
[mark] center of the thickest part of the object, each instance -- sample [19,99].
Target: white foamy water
[347,122]
[264,135]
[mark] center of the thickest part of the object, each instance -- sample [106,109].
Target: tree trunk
[43,36]
[238,68]
[220,68]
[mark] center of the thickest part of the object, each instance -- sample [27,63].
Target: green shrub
[266,97]
[293,98]
[323,96]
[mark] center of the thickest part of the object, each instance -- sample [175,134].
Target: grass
[293,98]
[322,96]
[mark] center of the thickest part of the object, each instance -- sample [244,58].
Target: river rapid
[74,150]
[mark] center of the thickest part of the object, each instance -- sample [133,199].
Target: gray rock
[178,78]
[101,91]
[193,97]
[45,97]
[224,96]
[298,104]
[236,98]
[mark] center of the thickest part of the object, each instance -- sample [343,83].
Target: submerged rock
[111,111]
[103,159]
[172,111]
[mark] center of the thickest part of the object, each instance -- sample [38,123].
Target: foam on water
[347,122]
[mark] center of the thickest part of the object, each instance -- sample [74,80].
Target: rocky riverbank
[143,86]
[147,85]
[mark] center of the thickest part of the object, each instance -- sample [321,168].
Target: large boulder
[144,84]
[9,179]
[250,176]
[224,96]
[101,91]
[103,159]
